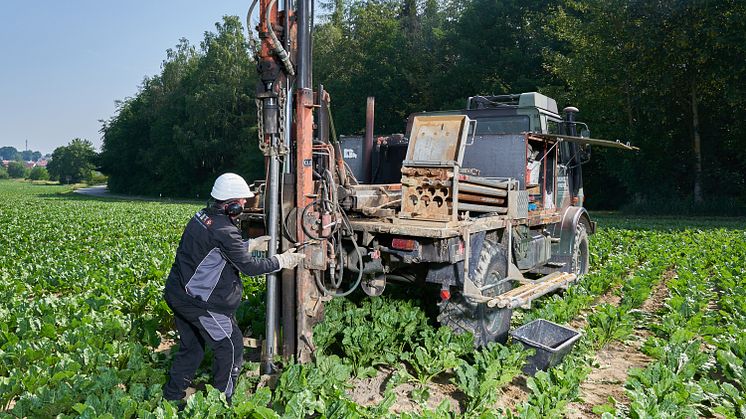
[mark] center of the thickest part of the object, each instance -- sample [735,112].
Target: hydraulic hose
[252,40]
[354,286]
[276,45]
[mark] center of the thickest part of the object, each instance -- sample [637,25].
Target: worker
[204,288]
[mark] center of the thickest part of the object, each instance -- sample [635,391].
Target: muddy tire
[580,258]
[463,314]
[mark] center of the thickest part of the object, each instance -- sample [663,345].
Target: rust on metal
[523,295]
[308,294]
[436,138]
[428,194]
[368,141]
[482,190]
[481,199]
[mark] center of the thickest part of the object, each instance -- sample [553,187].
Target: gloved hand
[259,244]
[289,259]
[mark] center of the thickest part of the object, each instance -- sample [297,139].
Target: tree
[72,163]
[28,155]
[8,153]
[4,173]
[187,125]
[665,76]
[39,173]
[17,170]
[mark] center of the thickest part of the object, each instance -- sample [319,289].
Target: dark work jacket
[210,255]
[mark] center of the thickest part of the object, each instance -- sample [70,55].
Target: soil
[369,392]
[607,380]
[611,296]
[514,394]
[615,360]
[166,345]
[659,294]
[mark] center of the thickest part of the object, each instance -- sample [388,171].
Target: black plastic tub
[550,341]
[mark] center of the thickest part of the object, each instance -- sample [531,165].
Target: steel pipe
[481,190]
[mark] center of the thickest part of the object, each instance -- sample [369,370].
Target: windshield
[513,124]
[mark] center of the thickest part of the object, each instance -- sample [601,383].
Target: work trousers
[196,328]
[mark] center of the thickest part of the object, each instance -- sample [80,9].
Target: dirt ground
[614,360]
[369,392]
[607,379]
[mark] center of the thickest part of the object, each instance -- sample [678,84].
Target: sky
[64,63]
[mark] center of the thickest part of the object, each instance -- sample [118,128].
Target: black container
[352,153]
[550,341]
[388,154]
[386,160]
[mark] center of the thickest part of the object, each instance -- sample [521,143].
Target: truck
[483,203]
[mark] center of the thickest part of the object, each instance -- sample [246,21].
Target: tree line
[72,163]
[668,77]
[12,153]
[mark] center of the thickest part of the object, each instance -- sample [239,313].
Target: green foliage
[188,124]
[28,155]
[608,323]
[627,65]
[440,351]
[72,163]
[98,178]
[9,153]
[311,388]
[494,366]
[378,332]
[4,173]
[82,303]
[17,170]
[553,389]
[83,314]
[39,173]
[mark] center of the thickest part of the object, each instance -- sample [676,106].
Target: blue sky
[63,64]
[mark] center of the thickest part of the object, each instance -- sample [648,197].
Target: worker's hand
[289,259]
[259,244]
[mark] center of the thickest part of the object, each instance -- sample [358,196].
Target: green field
[85,332]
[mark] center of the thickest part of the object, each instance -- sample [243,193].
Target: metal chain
[263,146]
[281,99]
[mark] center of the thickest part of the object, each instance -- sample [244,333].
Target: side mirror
[585,133]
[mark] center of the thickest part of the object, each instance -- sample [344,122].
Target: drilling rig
[300,163]
[485,203]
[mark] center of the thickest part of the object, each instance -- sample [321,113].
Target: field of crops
[85,332]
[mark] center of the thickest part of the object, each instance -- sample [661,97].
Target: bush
[3,173]
[39,173]
[17,170]
[98,178]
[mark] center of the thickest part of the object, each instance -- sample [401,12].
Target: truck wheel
[580,258]
[463,314]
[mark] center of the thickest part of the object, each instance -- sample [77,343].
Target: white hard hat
[230,186]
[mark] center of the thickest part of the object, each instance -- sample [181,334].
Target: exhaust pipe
[368,142]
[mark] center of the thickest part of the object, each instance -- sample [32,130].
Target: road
[101,191]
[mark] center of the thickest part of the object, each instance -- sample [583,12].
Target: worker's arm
[236,250]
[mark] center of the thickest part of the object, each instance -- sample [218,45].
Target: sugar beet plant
[83,319]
